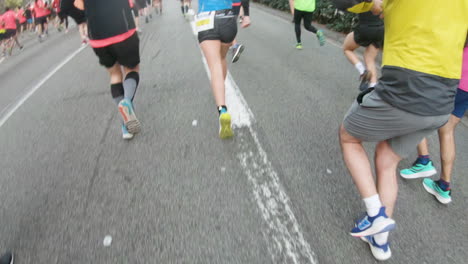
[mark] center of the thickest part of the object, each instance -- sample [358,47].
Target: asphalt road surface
[277,193]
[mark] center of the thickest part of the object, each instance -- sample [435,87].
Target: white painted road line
[283,234]
[12,109]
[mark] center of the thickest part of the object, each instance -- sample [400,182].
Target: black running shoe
[7,258]
[236,52]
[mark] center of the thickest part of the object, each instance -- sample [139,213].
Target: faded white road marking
[12,109]
[284,237]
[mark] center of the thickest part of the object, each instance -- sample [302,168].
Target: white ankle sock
[373,205]
[381,239]
[372,84]
[360,67]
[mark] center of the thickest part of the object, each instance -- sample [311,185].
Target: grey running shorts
[375,120]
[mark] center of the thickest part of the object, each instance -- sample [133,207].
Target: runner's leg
[212,51]
[447,147]
[370,54]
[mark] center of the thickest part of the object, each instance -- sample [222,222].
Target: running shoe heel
[321,37]
[225,129]
[129,117]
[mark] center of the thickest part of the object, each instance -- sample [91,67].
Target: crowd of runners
[422,86]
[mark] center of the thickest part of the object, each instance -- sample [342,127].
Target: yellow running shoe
[225,129]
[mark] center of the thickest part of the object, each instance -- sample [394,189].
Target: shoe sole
[130,120]
[422,174]
[236,56]
[441,199]
[226,129]
[127,137]
[375,253]
[384,226]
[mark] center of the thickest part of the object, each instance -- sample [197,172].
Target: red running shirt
[20,16]
[10,19]
[39,9]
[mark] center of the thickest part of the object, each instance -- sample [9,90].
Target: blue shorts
[30,21]
[461,103]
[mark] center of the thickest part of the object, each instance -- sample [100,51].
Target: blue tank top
[213,5]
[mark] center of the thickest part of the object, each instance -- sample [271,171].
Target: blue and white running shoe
[125,134]
[128,115]
[379,252]
[368,226]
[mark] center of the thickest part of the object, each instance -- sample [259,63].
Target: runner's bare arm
[79,4]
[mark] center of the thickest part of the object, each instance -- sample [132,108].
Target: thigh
[105,56]
[127,52]
[308,17]
[349,43]
[298,15]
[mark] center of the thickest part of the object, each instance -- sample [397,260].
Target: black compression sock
[117,92]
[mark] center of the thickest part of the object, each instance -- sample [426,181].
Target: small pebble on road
[107,241]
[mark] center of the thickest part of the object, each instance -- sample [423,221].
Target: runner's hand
[377,7]
[245,21]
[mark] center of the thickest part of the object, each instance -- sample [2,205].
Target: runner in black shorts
[141,4]
[67,8]
[40,17]
[370,34]
[217,28]
[116,45]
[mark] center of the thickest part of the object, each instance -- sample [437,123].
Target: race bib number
[205,21]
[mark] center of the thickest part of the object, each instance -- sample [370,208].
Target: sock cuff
[117,90]
[133,75]
[221,107]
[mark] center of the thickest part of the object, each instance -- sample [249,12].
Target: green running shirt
[305,5]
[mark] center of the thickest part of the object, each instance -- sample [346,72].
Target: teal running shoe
[433,188]
[128,115]
[125,134]
[418,171]
[321,37]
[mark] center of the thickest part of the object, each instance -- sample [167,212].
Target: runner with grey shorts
[413,98]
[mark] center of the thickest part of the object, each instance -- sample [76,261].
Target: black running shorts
[126,53]
[9,33]
[41,20]
[225,28]
[141,4]
[78,15]
[367,35]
